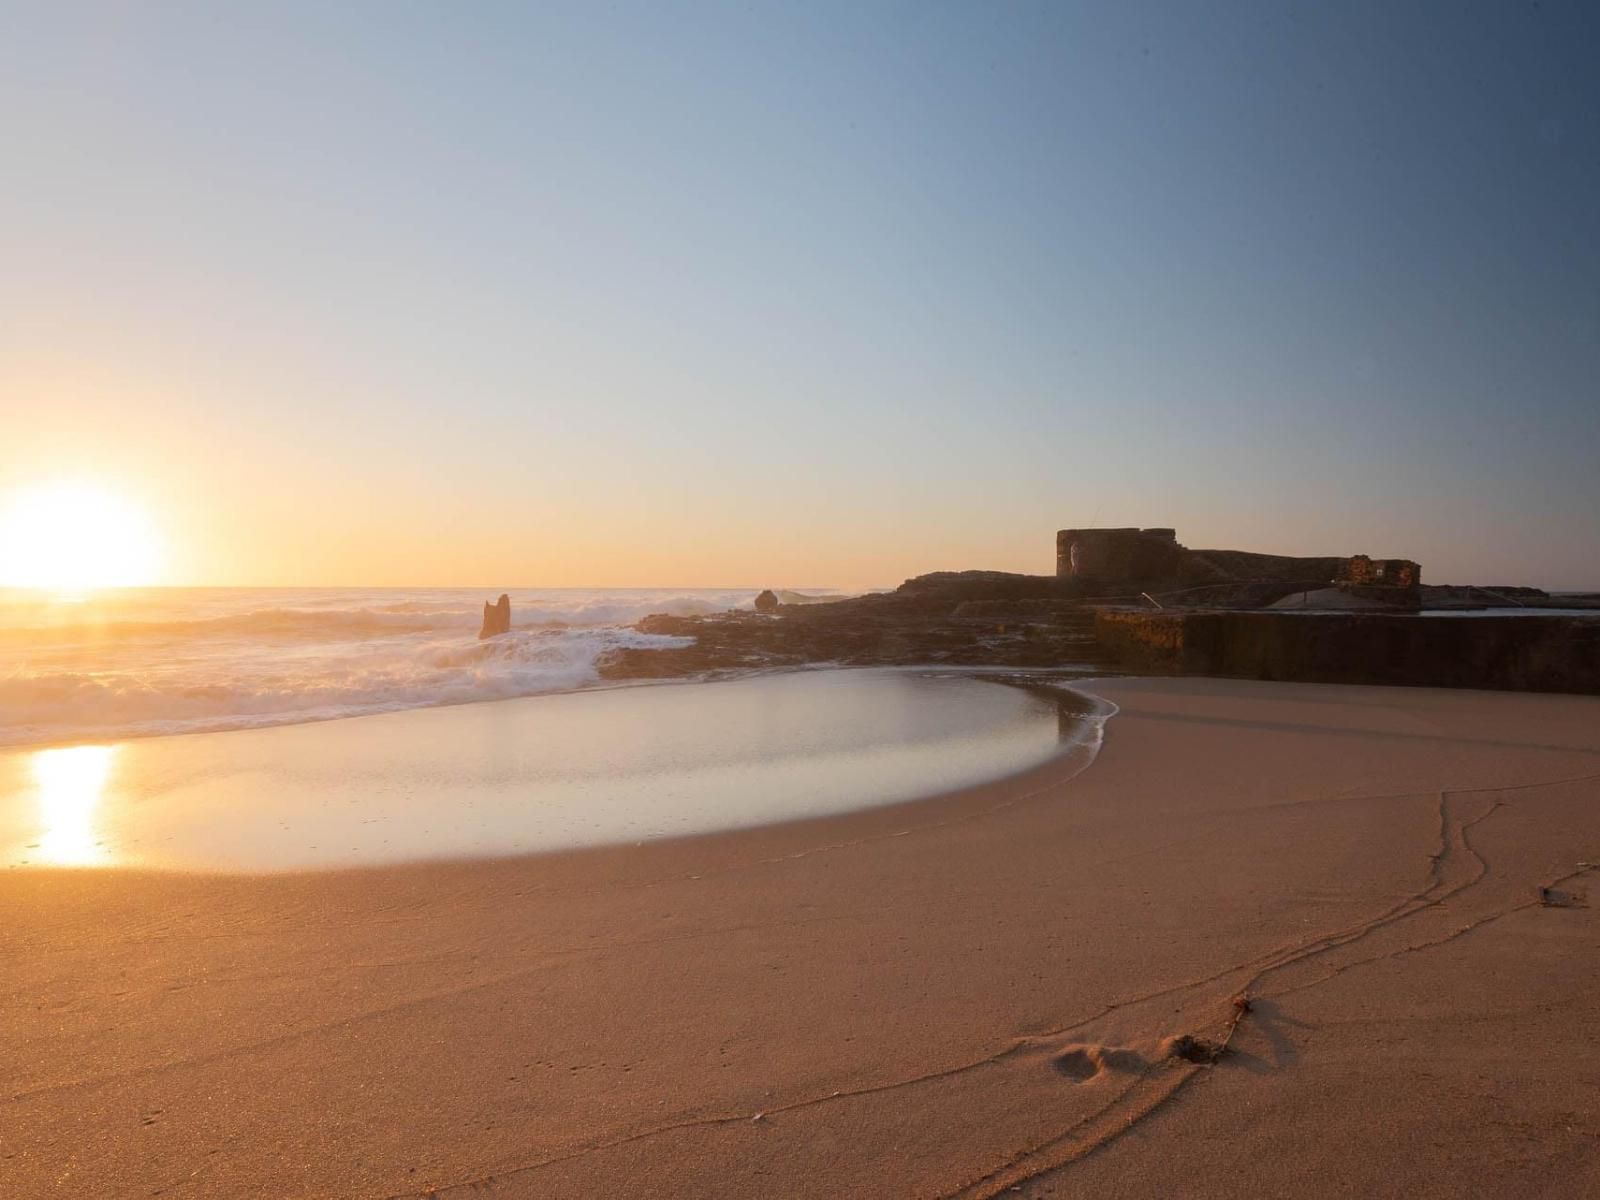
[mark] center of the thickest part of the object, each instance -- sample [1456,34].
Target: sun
[76,537]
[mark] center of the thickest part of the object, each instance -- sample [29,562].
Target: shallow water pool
[540,773]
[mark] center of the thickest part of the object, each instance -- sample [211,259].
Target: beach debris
[1241,1003]
[1194,1050]
[760,1116]
[496,618]
[1550,897]
[767,601]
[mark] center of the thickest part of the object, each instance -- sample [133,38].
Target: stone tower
[1117,555]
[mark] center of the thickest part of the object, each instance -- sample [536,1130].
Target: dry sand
[968,996]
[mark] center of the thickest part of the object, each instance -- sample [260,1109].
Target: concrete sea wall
[1521,653]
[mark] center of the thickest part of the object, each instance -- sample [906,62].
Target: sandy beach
[800,601]
[983,993]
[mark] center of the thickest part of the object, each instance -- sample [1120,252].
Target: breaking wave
[158,662]
[229,694]
[318,623]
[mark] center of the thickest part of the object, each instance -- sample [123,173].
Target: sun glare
[70,783]
[73,538]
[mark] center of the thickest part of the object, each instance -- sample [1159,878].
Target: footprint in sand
[1082,1063]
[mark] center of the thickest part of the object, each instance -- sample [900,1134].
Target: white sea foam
[174,661]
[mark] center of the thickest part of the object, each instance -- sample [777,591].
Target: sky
[813,294]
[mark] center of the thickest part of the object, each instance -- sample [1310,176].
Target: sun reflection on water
[69,782]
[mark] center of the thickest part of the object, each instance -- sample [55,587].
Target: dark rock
[1195,622]
[1245,566]
[1195,1050]
[787,597]
[879,630]
[983,618]
[954,587]
[496,618]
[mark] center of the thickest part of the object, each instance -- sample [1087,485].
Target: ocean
[148,661]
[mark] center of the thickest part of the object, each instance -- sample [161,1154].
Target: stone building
[1112,562]
[1118,555]
[1361,571]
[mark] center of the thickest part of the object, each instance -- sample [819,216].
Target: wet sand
[955,997]
[530,775]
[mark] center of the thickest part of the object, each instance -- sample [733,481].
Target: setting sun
[73,537]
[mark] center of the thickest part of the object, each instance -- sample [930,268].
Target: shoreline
[1027,784]
[602,684]
[848,1006]
[734,844]
[468,782]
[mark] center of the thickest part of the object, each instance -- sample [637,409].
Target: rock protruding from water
[767,601]
[496,617]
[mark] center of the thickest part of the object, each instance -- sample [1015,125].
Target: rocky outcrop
[496,618]
[869,631]
[767,602]
[990,618]
[953,587]
[1247,566]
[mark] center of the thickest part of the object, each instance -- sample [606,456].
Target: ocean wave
[153,661]
[202,693]
[93,627]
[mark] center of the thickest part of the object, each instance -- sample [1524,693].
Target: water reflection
[1075,712]
[545,773]
[69,783]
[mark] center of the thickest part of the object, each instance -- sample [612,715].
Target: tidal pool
[541,773]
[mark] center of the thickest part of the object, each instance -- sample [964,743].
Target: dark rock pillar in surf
[767,602]
[496,617]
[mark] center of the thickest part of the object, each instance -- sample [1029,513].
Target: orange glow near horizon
[71,538]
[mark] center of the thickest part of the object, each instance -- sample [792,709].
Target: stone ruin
[1118,555]
[1396,582]
[1129,561]
[1362,571]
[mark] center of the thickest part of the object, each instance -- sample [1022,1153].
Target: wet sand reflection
[69,785]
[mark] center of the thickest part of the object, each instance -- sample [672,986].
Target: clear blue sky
[825,293]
